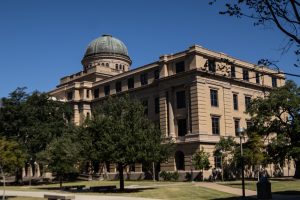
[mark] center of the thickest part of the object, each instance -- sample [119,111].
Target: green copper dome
[106,45]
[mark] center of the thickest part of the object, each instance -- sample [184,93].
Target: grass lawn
[147,189]
[277,186]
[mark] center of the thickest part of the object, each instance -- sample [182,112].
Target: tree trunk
[121,176]
[3,176]
[60,181]
[297,169]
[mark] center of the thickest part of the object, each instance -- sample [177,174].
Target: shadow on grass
[7,197]
[127,190]
[235,198]
[288,192]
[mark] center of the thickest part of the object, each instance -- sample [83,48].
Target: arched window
[179,160]
[88,115]
[107,65]
[116,66]
[102,64]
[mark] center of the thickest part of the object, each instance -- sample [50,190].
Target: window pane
[96,93]
[180,99]
[235,102]
[236,126]
[274,82]
[118,86]
[181,123]
[144,79]
[107,90]
[214,97]
[245,75]
[257,75]
[247,102]
[180,67]
[232,71]
[70,95]
[130,83]
[215,125]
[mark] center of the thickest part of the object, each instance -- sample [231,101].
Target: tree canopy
[278,113]
[283,14]
[122,134]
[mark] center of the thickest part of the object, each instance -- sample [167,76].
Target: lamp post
[241,132]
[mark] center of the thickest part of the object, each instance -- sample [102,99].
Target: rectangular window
[235,102]
[247,102]
[215,123]
[130,83]
[180,67]
[118,86]
[180,99]
[214,98]
[144,79]
[70,95]
[106,90]
[245,75]
[236,126]
[274,82]
[182,130]
[145,104]
[87,93]
[248,123]
[211,65]
[156,105]
[156,74]
[232,71]
[257,75]
[217,160]
[96,93]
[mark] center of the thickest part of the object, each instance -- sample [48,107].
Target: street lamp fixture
[241,134]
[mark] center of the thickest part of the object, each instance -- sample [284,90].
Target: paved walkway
[77,196]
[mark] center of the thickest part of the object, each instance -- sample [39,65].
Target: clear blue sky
[43,40]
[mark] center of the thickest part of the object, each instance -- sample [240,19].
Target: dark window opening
[214,98]
[217,160]
[106,90]
[156,105]
[245,75]
[180,99]
[87,93]
[182,129]
[118,86]
[144,79]
[274,82]
[179,160]
[130,83]
[215,122]
[156,74]
[232,71]
[236,126]
[257,75]
[235,102]
[96,93]
[70,95]
[132,167]
[211,65]
[247,102]
[180,67]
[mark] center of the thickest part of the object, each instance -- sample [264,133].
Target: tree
[11,157]
[32,120]
[123,135]
[278,113]
[283,14]
[62,154]
[226,148]
[201,161]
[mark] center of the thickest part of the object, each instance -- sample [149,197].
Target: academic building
[196,95]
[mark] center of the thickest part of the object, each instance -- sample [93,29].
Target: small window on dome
[102,64]
[123,67]
[107,65]
[116,66]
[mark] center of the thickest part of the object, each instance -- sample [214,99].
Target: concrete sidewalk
[77,196]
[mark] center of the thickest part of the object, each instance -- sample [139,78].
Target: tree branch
[294,37]
[295,10]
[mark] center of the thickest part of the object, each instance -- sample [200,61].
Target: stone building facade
[196,95]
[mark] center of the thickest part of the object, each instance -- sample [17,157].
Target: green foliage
[279,113]
[201,160]
[33,120]
[11,155]
[62,153]
[169,176]
[119,132]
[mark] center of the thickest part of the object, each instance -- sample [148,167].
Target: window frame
[180,103]
[214,102]
[215,129]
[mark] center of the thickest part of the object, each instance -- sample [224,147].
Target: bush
[169,176]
